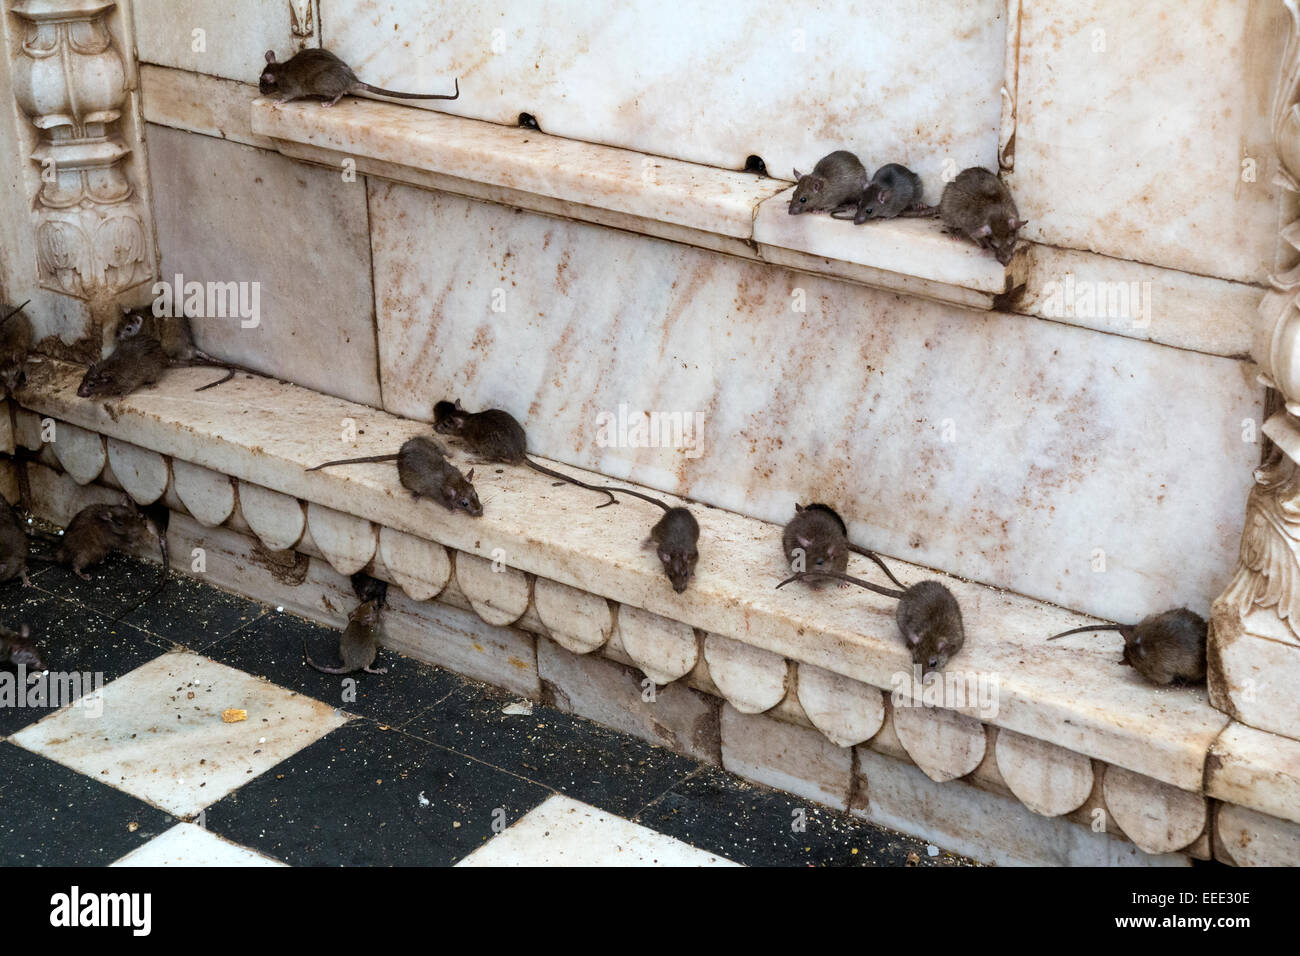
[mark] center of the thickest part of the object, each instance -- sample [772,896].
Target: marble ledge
[718,208]
[737,214]
[1072,693]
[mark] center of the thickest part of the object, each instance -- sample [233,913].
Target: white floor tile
[564,832]
[161,737]
[188,845]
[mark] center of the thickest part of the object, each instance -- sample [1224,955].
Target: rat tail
[867,553]
[1090,627]
[311,663]
[573,481]
[230,373]
[380,91]
[14,311]
[637,494]
[887,592]
[353,461]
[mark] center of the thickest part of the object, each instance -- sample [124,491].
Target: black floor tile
[272,647]
[194,614]
[71,638]
[749,824]
[115,583]
[54,816]
[576,757]
[361,796]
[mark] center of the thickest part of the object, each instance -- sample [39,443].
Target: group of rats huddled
[1165,648]
[976,205]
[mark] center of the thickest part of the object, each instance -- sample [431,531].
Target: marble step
[1071,693]
[721,209]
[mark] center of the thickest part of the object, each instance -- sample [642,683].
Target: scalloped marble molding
[947,746]
[550,535]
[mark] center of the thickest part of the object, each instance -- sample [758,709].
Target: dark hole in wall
[755,164]
[529,121]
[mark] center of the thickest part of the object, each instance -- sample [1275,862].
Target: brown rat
[496,436]
[177,340]
[675,539]
[16,648]
[978,206]
[96,531]
[370,589]
[928,616]
[894,191]
[819,534]
[423,470]
[319,73]
[838,179]
[14,546]
[15,342]
[136,362]
[358,644]
[1165,648]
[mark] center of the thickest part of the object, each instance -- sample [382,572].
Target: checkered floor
[415,767]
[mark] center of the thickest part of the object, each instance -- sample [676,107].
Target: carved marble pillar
[70,81]
[76,203]
[1254,649]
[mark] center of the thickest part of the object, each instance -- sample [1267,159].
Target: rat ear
[983,231]
[798,175]
[270,56]
[459,406]
[817,185]
[470,476]
[805,541]
[882,196]
[1015,223]
[797,507]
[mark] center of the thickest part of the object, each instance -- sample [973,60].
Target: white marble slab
[189,845]
[778,80]
[235,34]
[157,743]
[1256,769]
[231,213]
[718,201]
[1134,121]
[1045,427]
[564,832]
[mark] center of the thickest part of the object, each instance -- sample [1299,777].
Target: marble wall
[1092,469]
[1143,130]
[1020,453]
[786,81]
[231,213]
